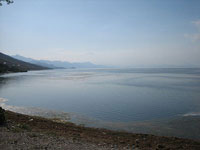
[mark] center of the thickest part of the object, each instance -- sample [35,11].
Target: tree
[7,1]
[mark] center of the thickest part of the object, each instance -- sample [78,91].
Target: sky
[125,33]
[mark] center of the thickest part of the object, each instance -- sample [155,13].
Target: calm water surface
[118,95]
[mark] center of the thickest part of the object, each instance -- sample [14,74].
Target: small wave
[3,100]
[46,113]
[62,116]
[192,114]
[32,111]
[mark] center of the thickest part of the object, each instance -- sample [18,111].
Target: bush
[2,116]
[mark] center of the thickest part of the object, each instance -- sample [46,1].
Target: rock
[137,141]
[2,116]
[160,146]
[31,120]
[122,142]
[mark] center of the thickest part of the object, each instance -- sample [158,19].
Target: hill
[58,64]
[36,62]
[9,64]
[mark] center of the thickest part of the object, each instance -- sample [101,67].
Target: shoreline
[181,126]
[99,138]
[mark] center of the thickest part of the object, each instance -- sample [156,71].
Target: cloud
[196,23]
[194,36]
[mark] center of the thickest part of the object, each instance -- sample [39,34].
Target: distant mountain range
[58,64]
[9,64]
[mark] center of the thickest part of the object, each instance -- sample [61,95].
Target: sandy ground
[33,140]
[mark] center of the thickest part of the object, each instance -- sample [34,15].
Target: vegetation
[6,69]
[2,116]
[7,1]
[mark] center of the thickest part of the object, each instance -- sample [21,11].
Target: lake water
[116,95]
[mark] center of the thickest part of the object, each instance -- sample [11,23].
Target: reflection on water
[119,95]
[112,98]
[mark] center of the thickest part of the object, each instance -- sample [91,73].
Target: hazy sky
[112,32]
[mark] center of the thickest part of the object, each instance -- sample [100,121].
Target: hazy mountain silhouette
[58,64]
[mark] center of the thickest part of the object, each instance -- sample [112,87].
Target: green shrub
[25,127]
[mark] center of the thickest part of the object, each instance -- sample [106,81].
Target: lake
[110,95]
